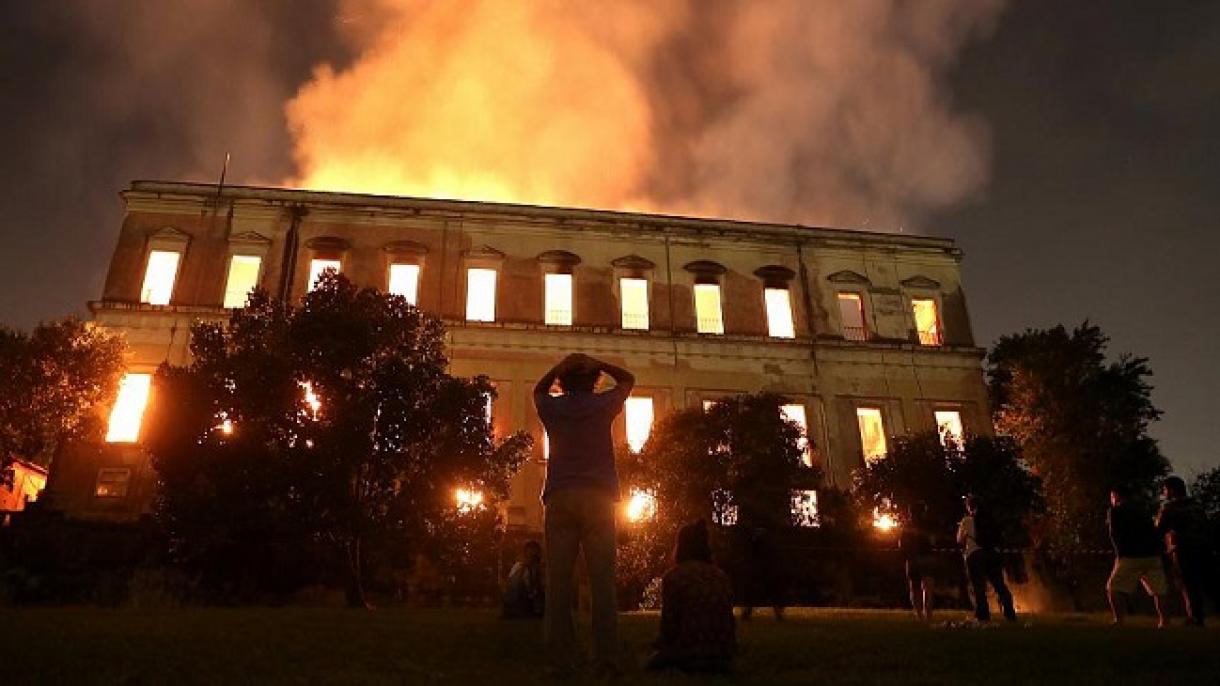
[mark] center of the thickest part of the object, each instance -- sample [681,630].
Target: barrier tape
[955,551]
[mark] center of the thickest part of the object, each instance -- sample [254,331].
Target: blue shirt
[581,446]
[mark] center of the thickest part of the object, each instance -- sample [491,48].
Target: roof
[370,202]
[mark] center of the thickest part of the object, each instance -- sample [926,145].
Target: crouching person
[524,598]
[697,629]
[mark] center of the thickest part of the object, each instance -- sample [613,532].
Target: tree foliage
[1081,422]
[739,459]
[345,441]
[57,380]
[920,468]
[1206,491]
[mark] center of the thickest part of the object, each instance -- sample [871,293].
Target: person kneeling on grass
[524,597]
[697,629]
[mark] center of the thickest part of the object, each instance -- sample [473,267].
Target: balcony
[930,337]
[855,333]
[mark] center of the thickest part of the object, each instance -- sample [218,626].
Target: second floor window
[404,281]
[709,316]
[159,277]
[638,413]
[558,296]
[634,294]
[796,415]
[872,433]
[779,313]
[949,426]
[243,277]
[128,411]
[927,321]
[317,266]
[480,295]
[851,312]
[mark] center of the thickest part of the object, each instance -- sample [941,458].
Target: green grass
[324,645]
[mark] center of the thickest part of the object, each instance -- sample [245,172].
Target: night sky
[1103,202]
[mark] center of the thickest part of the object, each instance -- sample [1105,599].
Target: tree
[1206,490]
[1081,422]
[921,468]
[57,381]
[740,457]
[331,430]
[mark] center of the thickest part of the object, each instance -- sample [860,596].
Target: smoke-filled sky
[1071,148]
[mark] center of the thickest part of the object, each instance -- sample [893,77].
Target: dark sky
[1104,201]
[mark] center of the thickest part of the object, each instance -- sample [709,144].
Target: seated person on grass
[524,597]
[697,629]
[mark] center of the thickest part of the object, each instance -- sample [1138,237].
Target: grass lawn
[324,645]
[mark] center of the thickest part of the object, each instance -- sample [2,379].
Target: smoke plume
[812,111]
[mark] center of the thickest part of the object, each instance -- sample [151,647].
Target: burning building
[866,334]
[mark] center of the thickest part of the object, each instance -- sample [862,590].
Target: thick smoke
[815,111]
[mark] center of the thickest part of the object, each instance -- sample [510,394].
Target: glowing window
[779,313]
[467,500]
[128,411]
[927,323]
[949,426]
[112,482]
[558,299]
[851,312]
[796,415]
[724,510]
[708,404]
[243,277]
[872,432]
[159,277]
[634,293]
[404,281]
[480,295]
[708,315]
[805,508]
[316,267]
[546,445]
[638,411]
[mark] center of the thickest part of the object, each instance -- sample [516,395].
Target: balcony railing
[711,325]
[635,320]
[556,317]
[855,333]
[932,337]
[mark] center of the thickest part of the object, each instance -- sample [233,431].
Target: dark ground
[325,645]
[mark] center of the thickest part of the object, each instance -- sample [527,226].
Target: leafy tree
[739,458]
[57,381]
[920,468]
[1081,422]
[1206,490]
[331,430]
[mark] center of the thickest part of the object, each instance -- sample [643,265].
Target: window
[796,415]
[851,312]
[634,293]
[404,281]
[112,482]
[317,266]
[558,298]
[708,315]
[159,277]
[805,508]
[779,313]
[927,322]
[639,421]
[949,426]
[546,446]
[243,277]
[480,295]
[872,432]
[128,411]
[724,510]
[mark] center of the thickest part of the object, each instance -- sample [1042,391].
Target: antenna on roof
[223,171]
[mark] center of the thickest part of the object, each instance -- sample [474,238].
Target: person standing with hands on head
[579,499]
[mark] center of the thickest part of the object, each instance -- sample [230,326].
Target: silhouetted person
[525,596]
[915,546]
[1137,556]
[579,498]
[697,629]
[978,535]
[761,523]
[1182,523]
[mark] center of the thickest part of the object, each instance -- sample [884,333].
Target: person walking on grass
[1182,523]
[915,546]
[978,536]
[1137,556]
[697,629]
[579,498]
